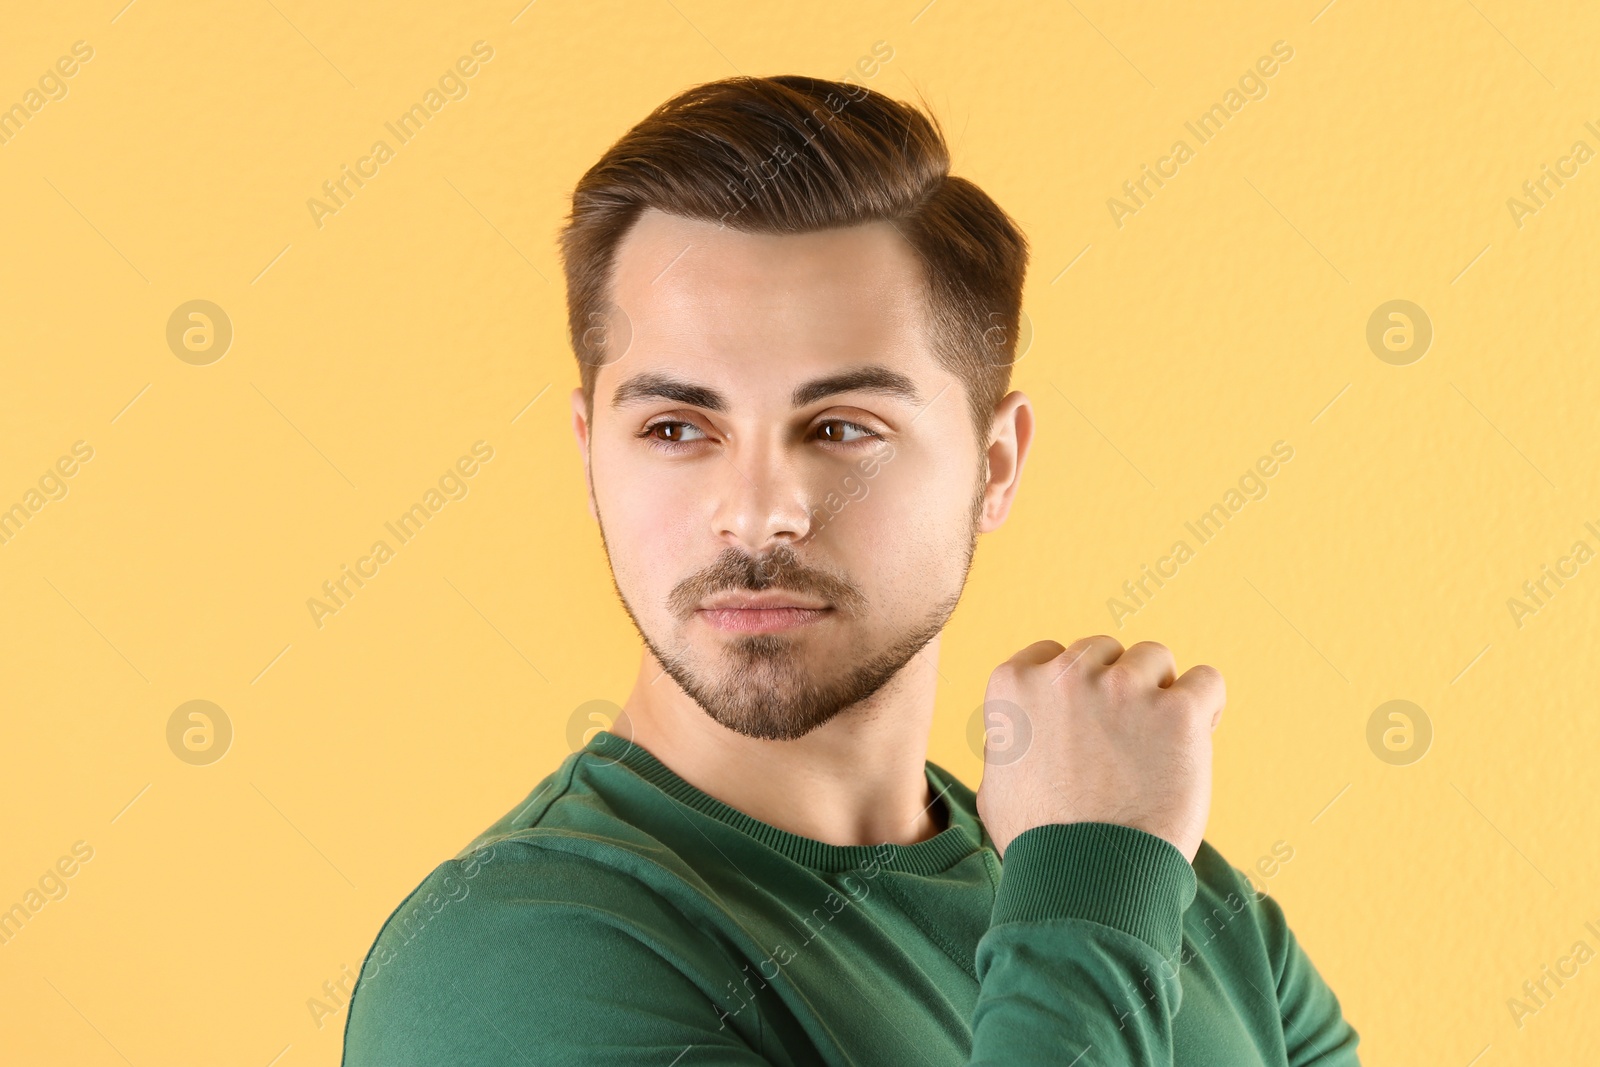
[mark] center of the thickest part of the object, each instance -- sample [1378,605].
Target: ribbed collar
[955,842]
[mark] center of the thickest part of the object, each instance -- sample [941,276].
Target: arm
[1097,800]
[1078,958]
[505,966]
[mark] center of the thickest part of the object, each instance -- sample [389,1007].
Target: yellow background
[369,353]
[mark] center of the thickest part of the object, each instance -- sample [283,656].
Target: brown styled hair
[794,154]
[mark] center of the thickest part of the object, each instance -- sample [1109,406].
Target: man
[795,330]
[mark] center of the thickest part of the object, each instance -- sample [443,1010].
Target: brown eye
[834,431]
[670,432]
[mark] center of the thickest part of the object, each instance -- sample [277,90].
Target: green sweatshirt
[619,916]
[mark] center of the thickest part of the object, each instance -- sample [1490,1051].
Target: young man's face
[788,483]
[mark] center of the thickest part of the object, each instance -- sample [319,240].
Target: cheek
[647,520]
[908,524]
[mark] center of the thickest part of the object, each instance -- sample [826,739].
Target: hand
[1099,734]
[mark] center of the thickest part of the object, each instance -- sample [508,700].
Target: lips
[765,600]
[761,620]
[766,611]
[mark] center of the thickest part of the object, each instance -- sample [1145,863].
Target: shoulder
[516,922]
[579,868]
[1245,931]
[552,885]
[469,898]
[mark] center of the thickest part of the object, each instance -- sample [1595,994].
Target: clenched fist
[1100,734]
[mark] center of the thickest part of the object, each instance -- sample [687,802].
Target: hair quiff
[795,154]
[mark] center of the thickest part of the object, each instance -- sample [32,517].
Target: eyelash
[648,434]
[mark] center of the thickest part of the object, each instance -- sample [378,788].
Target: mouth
[763,612]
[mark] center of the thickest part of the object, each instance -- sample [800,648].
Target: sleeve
[504,967]
[1314,1027]
[1080,956]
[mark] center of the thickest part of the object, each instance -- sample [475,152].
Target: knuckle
[1031,653]
[1073,659]
[1120,683]
[1005,682]
[1182,701]
[1083,645]
[1215,683]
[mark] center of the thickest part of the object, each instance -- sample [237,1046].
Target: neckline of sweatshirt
[961,837]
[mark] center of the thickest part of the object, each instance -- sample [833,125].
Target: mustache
[780,568]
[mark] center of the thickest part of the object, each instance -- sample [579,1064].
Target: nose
[762,499]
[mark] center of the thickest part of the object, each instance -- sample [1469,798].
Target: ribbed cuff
[1116,875]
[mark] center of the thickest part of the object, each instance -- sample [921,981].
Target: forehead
[744,309]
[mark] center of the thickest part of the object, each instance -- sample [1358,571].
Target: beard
[761,687]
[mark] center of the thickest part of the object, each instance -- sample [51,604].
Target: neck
[859,779]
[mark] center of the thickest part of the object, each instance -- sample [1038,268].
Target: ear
[580,430]
[1010,434]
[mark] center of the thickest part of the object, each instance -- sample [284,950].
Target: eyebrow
[874,378]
